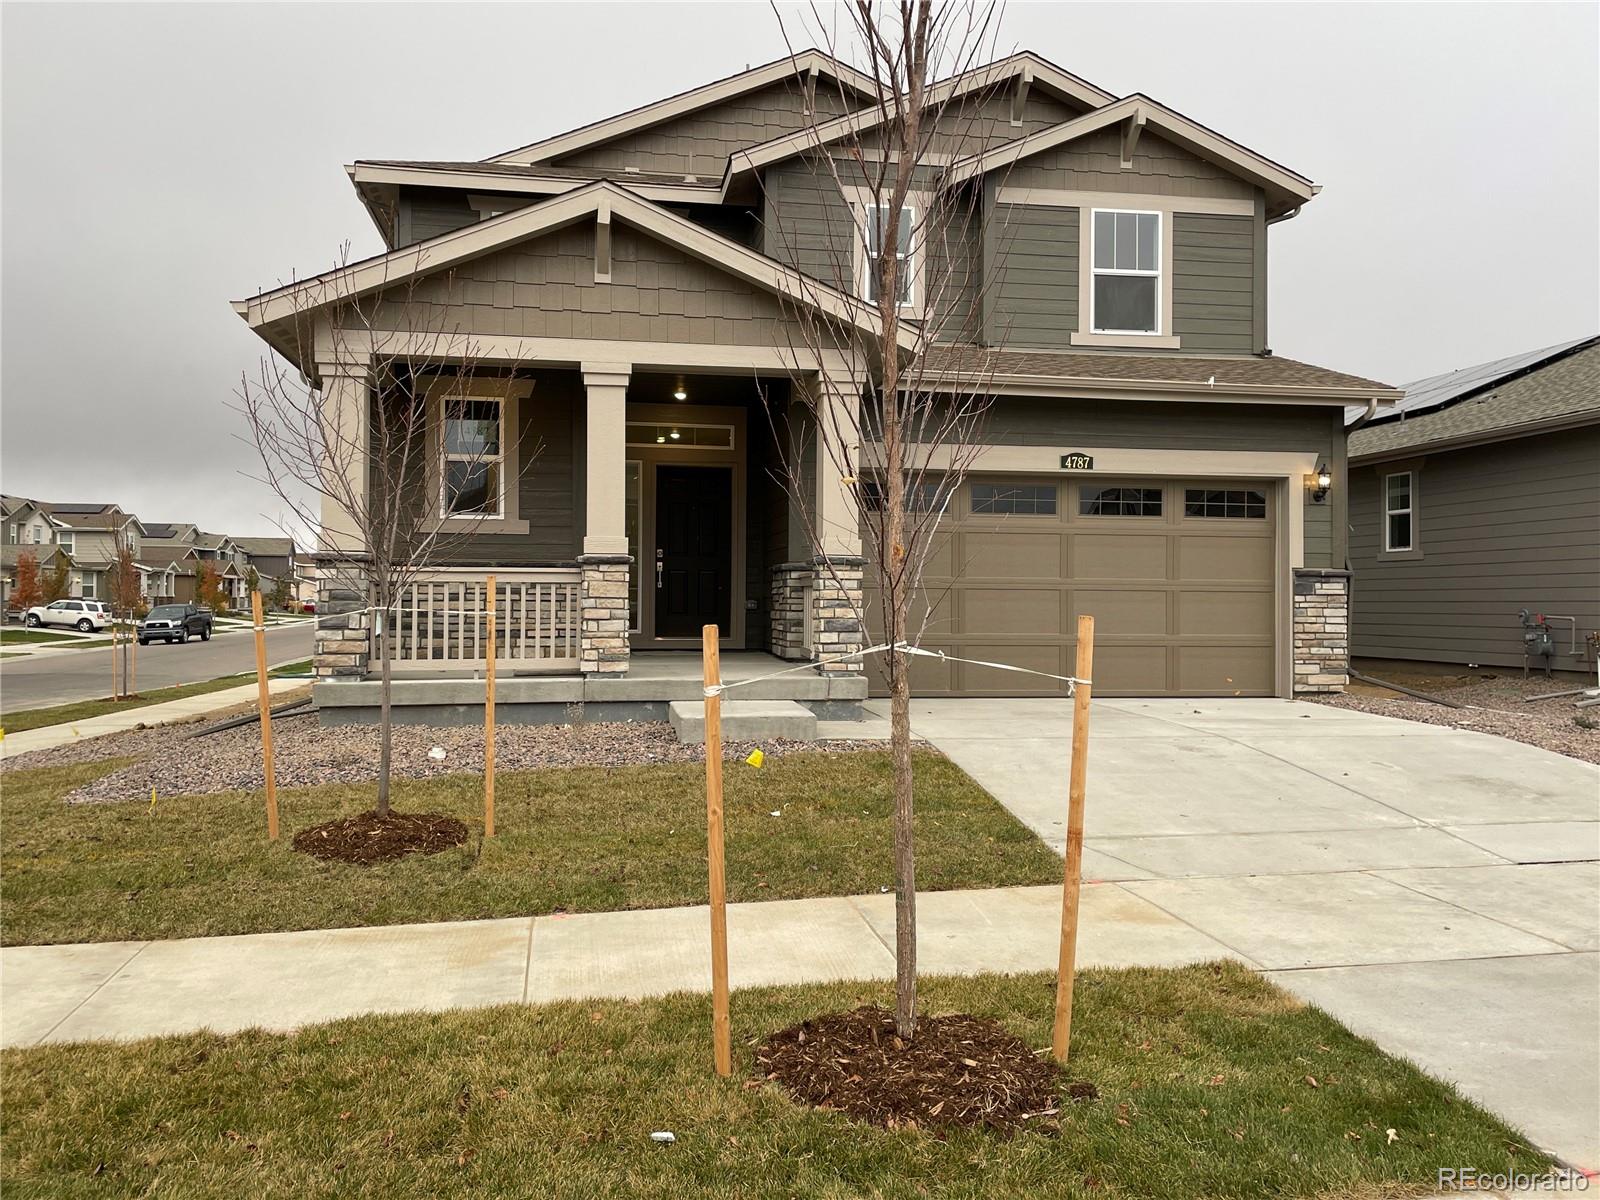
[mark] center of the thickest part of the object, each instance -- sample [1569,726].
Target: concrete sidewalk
[284,980]
[48,736]
[1435,889]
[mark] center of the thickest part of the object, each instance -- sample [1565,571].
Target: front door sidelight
[694,549]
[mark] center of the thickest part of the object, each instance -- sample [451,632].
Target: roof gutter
[1372,411]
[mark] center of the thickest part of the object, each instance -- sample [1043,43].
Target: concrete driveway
[1437,890]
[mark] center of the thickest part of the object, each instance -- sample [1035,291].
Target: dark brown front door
[694,549]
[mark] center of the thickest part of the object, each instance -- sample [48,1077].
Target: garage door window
[1232,504]
[1119,502]
[920,497]
[1020,500]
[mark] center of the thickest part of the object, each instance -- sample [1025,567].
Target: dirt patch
[367,839]
[1495,703]
[958,1071]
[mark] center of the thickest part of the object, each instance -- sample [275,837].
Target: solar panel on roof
[1441,389]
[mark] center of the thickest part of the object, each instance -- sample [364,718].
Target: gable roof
[716,92]
[472,241]
[1024,64]
[267,547]
[1288,188]
[1543,390]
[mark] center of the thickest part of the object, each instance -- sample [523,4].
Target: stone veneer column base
[835,601]
[603,598]
[342,631]
[787,627]
[1321,630]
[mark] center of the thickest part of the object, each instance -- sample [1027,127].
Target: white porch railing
[440,624]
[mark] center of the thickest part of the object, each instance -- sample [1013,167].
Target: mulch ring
[368,838]
[959,1070]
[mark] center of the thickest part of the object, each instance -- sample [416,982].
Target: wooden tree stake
[488,720]
[265,696]
[116,686]
[720,1027]
[1073,881]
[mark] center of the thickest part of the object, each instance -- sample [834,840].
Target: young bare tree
[904,243]
[402,479]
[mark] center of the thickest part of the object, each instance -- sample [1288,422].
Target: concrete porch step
[744,721]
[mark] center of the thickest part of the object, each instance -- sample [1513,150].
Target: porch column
[836,594]
[343,639]
[603,645]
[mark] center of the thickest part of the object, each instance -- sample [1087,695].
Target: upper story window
[473,464]
[876,227]
[1399,527]
[64,540]
[1127,272]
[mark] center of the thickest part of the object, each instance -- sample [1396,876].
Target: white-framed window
[64,540]
[1399,511]
[87,587]
[472,456]
[875,224]
[1126,272]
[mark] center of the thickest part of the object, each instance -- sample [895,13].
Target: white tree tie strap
[809,664]
[1072,681]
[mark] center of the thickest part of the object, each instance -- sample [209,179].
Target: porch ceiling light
[673,435]
[680,393]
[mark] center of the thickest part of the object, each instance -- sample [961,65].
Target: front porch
[655,679]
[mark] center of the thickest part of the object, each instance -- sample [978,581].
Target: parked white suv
[85,615]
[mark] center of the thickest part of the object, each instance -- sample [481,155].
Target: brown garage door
[1177,574]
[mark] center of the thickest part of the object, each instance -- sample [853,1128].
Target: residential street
[65,676]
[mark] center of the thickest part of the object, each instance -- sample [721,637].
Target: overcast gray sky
[159,161]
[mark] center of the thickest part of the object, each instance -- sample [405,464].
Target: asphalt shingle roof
[1567,386]
[1247,370]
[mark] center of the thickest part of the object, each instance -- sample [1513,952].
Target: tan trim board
[655,113]
[1085,334]
[1063,198]
[1148,389]
[1169,124]
[533,183]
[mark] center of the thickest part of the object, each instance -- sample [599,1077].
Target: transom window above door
[1127,272]
[670,436]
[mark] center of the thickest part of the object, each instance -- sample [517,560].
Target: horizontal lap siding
[545,288]
[429,212]
[1503,527]
[700,142]
[1213,283]
[1034,291]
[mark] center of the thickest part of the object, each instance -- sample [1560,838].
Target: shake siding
[699,144]
[1213,283]
[545,288]
[1501,527]
[1034,287]
[549,443]
[1094,164]
[1026,421]
[983,121]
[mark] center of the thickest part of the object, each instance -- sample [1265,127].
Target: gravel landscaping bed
[1495,705]
[307,754]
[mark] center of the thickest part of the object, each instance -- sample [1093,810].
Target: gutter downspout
[1372,411]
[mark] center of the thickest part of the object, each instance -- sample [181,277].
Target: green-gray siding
[1033,297]
[1501,527]
[1213,283]
[1093,163]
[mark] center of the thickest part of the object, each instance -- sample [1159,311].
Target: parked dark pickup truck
[175,623]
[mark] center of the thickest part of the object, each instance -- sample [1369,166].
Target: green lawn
[582,840]
[1204,1076]
[61,714]
[18,636]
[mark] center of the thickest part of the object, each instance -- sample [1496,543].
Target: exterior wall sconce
[1319,483]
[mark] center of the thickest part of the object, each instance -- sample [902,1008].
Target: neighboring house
[90,533]
[1479,497]
[272,557]
[1148,459]
[24,526]
[176,551]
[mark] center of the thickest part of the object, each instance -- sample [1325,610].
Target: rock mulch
[1496,705]
[959,1070]
[307,754]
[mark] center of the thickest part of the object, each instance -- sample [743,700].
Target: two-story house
[1147,458]
[25,528]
